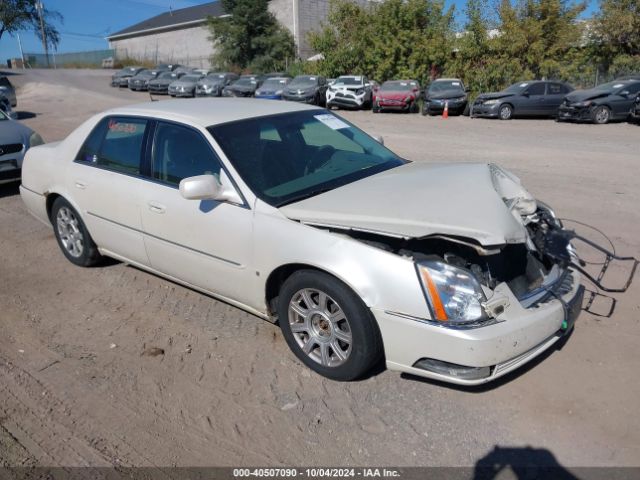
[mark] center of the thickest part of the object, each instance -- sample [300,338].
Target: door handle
[81,185]
[156,207]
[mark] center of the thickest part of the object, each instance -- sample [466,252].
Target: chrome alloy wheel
[68,227]
[320,327]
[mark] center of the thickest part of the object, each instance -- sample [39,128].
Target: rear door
[106,185]
[553,98]
[622,101]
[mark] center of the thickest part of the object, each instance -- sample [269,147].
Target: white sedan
[294,214]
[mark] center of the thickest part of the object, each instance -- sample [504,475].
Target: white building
[181,36]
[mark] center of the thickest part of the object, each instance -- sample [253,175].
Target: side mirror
[379,139]
[525,94]
[208,187]
[624,93]
[467,90]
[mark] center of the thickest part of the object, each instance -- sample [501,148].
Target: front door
[205,243]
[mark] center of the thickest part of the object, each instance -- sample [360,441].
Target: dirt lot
[76,387]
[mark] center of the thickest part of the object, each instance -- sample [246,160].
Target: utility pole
[40,9]
[21,52]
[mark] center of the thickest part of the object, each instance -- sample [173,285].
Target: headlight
[35,140]
[582,104]
[460,99]
[454,295]
[360,91]
[491,102]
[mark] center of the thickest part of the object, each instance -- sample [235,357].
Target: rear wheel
[506,112]
[327,326]
[72,235]
[601,115]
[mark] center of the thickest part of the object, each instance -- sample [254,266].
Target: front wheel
[327,326]
[601,115]
[72,235]
[506,112]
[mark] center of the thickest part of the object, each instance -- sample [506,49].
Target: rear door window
[536,89]
[115,144]
[555,89]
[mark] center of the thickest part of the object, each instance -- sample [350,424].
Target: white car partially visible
[292,213]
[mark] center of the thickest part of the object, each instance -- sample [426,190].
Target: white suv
[350,91]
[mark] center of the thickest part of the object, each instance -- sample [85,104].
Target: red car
[401,95]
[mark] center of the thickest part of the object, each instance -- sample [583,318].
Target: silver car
[448,271]
[15,140]
[185,86]
[7,90]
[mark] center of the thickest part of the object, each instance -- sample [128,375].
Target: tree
[616,36]
[391,39]
[250,38]
[16,15]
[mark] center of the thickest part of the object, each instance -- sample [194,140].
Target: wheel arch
[280,274]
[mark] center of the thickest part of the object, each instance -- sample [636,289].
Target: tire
[343,349]
[414,108]
[467,110]
[601,115]
[72,235]
[505,112]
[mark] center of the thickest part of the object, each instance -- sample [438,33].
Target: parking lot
[112,365]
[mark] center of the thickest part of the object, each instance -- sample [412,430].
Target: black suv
[606,102]
[532,98]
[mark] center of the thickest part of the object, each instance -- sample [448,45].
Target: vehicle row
[610,101]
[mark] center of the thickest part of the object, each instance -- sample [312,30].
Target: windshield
[246,82]
[274,83]
[168,75]
[445,85]
[348,81]
[191,78]
[396,87]
[130,70]
[611,86]
[287,157]
[146,73]
[305,81]
[517,87]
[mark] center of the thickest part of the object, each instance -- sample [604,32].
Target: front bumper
[11,162]
[387,104]
[270,97]
[346,100]
[234,93]
[437,106]
[159,89]
[181,93]
[137,86]
[518,336]
[479,109]
[299,98]
[566,112]
[635,114]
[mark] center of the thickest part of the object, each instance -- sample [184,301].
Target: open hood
[417,200]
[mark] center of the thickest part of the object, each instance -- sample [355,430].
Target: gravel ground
[81,383]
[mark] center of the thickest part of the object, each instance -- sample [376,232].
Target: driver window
[180,152]
[536,89]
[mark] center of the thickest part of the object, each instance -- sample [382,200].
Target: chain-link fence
[93,58]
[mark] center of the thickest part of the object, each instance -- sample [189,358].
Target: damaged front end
[462,279]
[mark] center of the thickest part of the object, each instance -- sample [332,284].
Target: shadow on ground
[520,463]
[9,189]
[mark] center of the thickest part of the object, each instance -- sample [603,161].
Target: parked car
[534,98]
[167,66]
[7,89]
[184,70]
[140,82]
[350,91]
[15,140]
[185,86]
[635,110]
[294,214]
[5,106]
[160,84]
[272,88]
[121,77]
[396,95]
[307,89]
[606,102]
[245,86]
[213,84]
[445,91]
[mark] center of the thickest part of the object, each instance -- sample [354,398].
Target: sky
[87,22]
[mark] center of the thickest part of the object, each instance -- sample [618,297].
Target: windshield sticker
[115,126]
[404,84]
[523,85]
[618,85]
[312,79]
[331,121]
[455,84]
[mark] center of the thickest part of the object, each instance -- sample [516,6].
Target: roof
[172,19]
[210,111]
